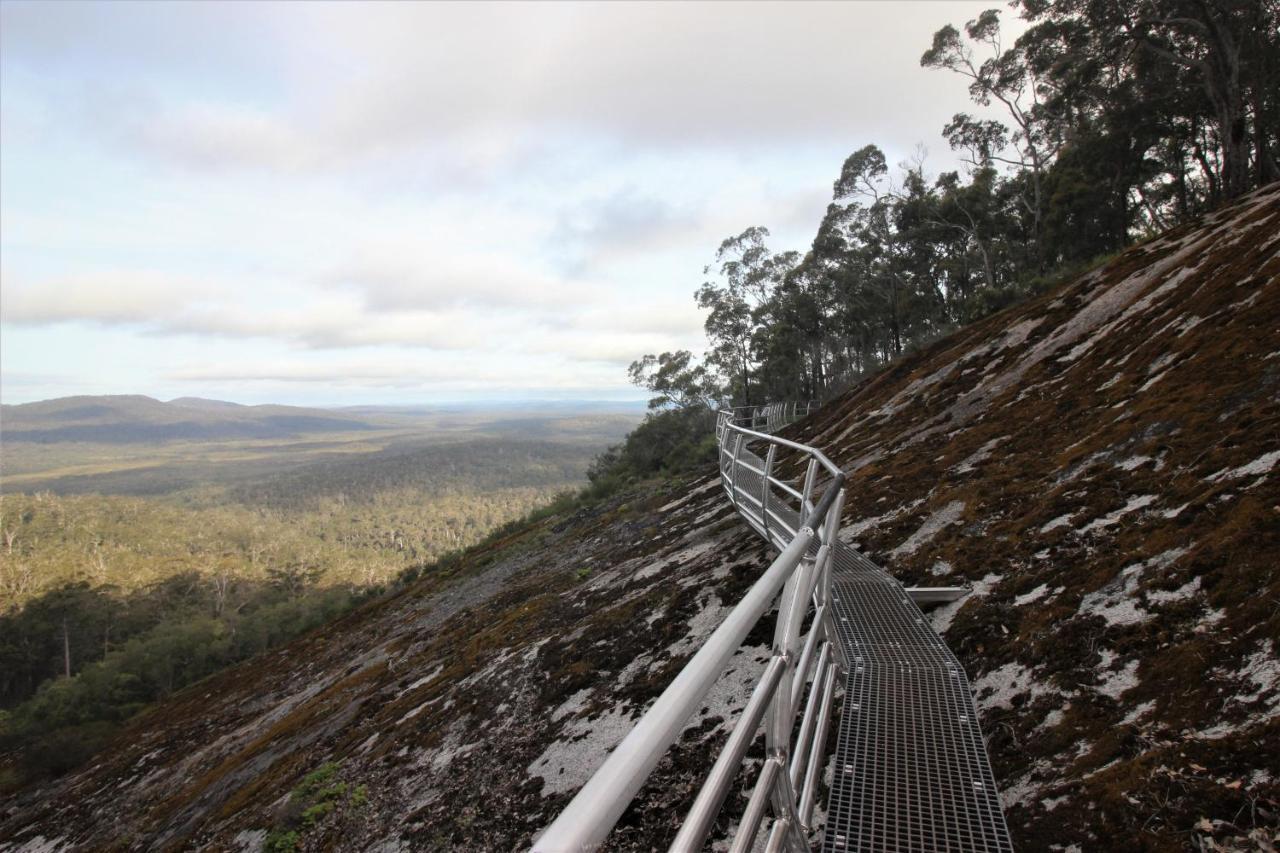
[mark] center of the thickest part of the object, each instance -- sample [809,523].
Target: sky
[330,204]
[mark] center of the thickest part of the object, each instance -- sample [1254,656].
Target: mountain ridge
[134,418]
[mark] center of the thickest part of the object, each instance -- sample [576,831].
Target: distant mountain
[133,418]
[562,407]
[206,405]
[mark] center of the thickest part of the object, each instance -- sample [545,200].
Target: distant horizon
[602,399]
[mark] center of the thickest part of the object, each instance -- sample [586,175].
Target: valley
[120,561]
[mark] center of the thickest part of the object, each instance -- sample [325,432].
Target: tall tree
[1223,50]
[748,275]
[1002,77]
[675,381]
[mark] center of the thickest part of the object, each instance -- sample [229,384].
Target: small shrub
[315,797]
[278,841]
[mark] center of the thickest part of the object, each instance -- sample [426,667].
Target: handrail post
[820,737]
[764,488]
[832,529]
[806,493]
[831,524]
[594,810]
[710,799]
[733,469]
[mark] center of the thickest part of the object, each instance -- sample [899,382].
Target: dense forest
[1101,125]
[111,601]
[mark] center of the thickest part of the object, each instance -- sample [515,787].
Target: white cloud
[111,297]
[157,303]
[532,374]
[620,226]
[225,136]
[492,307]
[396,277]
[481,89]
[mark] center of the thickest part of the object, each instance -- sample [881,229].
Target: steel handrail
[799,581]
[832,467]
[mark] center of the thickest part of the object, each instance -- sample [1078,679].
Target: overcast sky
[329,204]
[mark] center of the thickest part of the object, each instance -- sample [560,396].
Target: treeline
[108,602]
[116,653]
[474,466]
[130,543]
[1116,121]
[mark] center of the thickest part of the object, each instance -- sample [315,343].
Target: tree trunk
[897,326]
[1235,148]
[1267,170]
[66,648]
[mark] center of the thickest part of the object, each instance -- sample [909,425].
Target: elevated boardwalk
[911,771]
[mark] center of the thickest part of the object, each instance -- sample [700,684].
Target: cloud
[21,381]
[330,325]
[347,373]
[493,307]
[398,277]
[226,136]
[500,193]
[544,374]
[619,226]
[164,304]
[658,74]
[484,89]
[111,297]
[655,319]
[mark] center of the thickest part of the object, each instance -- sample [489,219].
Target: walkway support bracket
[937,594]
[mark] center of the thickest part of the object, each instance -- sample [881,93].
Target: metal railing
[785,511]
[772,417]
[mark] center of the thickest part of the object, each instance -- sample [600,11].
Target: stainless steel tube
[707,806]
[589,817]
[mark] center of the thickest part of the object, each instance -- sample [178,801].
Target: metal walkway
[911,767]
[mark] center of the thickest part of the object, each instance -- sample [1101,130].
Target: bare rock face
[1101,465]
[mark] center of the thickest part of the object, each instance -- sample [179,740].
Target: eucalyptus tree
[675,381]
[1001,77]
[865,188]
[970,221]
[738,304]
[1198,82]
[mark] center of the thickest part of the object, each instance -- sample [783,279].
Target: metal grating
[911,767]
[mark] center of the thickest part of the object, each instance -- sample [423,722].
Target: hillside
[131,419]
[1100,465]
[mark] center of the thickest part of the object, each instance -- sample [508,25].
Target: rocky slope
[1102,465]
